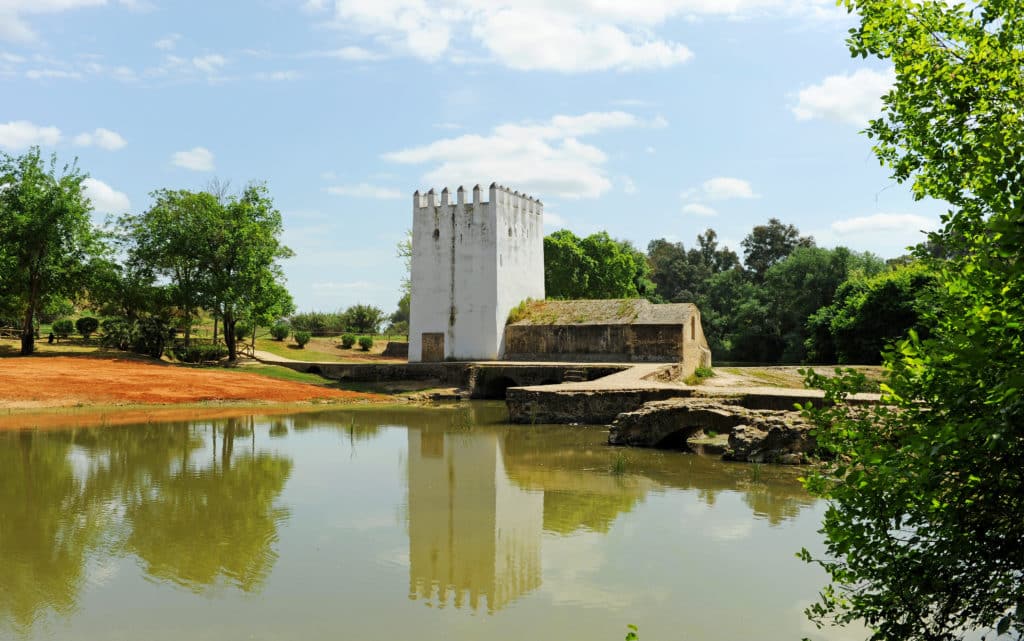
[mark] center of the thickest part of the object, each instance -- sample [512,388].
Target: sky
[646,118]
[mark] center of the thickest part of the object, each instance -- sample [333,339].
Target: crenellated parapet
[497,194]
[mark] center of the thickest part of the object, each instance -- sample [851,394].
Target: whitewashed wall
[468,272]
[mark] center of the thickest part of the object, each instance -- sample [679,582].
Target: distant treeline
[786,301]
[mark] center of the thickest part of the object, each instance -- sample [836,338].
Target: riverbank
[138,389]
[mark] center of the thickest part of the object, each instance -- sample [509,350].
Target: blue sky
[647,118]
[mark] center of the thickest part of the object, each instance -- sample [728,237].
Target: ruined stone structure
[472,262]
[631,330]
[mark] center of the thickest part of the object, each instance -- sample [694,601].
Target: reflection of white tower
[471,531]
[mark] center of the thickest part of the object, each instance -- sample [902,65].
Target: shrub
[151,337]
[200,352]
[118,333]
[301,338]
[401,328]
[280,331]
[363,318]
[365,343]
[347,341]
[242,331]
[63,328]
[87,326]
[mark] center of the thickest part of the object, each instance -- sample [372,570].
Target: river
[408,523]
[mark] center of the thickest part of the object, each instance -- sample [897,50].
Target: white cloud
[102,138]
[209,64]
[854,98]
[168,42]
[12,14]
[883,224]
[364,190]
[196,159]
[52,74]
[557,41]
[721,188]
[351,53]
[628,186]
[545,159]
[105,199]
[566,36]
[553,220]
[21,134]
[698,209]
[278,76]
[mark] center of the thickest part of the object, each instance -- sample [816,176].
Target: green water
[392,524]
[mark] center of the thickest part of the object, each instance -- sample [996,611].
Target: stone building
[472,262]
[631,330]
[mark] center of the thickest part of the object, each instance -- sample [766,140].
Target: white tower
[472,262]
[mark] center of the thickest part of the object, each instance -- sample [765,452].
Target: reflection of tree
[571,466]
[199,525]
[191,519]
[48,520]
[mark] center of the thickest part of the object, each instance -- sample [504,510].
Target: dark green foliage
[200,352]
[347,341]
[118,333]
[48,243]
[681,275]
[364,319]
[597,266]
[400,328]
[152,335]
[87,326]
[319,323]
[768,244]
[926,498]
[301,338]
[365,343]
[242,331]
[63,328]
[402,313]
[868,313]
[280,331]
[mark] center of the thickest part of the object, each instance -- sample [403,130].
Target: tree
[923,533]
[767,244]
[868,313]
[403,250]
[240,258]
[171,239]
[681,276]
[48,238]
[597,266]
[363,319]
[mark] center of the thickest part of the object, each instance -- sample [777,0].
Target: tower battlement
[496,194]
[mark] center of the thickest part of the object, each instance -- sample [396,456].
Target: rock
[756,436]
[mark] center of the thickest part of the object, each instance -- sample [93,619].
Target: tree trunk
[229,336]
[28,333]
[215,319]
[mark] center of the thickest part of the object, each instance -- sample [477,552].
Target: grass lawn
[324,349]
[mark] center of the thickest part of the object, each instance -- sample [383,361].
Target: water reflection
[472,533]
[190,514]
[201,506]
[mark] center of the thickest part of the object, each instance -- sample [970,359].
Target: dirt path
[63,381]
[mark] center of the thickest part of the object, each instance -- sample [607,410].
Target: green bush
[280,331]
[347,341]
[151,337]
[118,333]
[242,331]
[301,338]
[63,328]
[365,343]
[87,326]
[200,352]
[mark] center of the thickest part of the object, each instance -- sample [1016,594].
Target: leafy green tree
[171,239]
[923,533]
[597,266]
[804,282]
[241,260]
[681,275]
[363,319]
[868,313]
[87,326]
[48,240]
[768,244]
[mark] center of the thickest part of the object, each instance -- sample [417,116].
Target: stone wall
[595,343]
